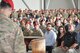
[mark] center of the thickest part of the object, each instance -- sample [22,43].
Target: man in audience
[70,41]
[11,37]
[50,37]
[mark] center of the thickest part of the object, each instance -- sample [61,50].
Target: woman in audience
[57,25]
[65,22]
[60,35]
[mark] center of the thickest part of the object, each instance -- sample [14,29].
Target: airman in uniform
[37,31]
[27,31]
[11,36]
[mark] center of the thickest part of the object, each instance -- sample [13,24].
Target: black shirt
[59,40]
[70,39]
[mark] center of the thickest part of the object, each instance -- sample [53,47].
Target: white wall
[78,4]
[56,4]
[18,4]
[33,4]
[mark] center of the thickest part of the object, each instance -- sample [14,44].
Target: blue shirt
[50,37]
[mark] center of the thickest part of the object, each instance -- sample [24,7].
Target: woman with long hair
[60,35]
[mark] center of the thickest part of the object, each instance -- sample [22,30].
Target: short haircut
[4,5]
[71,25]
[49,24]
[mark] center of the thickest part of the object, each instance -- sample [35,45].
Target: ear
[10,9]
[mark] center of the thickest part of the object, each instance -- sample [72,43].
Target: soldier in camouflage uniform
[37,31]
[27,31]
[11,37]
[43,26]
[22,24]
[14,14]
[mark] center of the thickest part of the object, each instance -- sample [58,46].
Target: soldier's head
[23,22]
[36,24]
[27,24]
[42,22]
[6,7]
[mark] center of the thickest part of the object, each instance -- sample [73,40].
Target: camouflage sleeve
[42,34]
[5,47]
[11,38]
[19,42]
[6,39]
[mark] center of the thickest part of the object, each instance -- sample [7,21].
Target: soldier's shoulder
[8,23]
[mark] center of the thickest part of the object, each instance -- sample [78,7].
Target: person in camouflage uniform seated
[43,26]
[22,24]
[27,31]
[11,36]
[37,31]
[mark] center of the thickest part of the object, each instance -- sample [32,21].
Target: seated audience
[69,43]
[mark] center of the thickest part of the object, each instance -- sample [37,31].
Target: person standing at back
[11,36]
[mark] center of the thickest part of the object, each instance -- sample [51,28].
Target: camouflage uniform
[37,33]
[15,15]
[43,28]
[11,37]
[27,32]
[22,28]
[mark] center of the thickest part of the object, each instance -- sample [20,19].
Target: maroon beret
[10,2]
